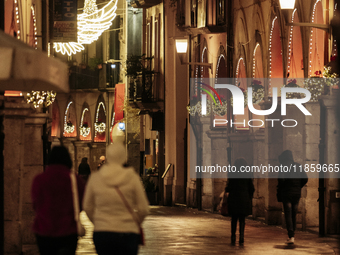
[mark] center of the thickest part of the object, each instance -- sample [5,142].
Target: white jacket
[102,203]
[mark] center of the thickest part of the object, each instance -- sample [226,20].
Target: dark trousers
[242,222]
[112,243]
[290,208]
[64,245]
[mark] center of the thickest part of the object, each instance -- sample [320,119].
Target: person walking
[241,190]
[289,191]
[84,170]
[54,225]
[116,203]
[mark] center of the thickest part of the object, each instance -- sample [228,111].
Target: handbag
[224,207]
[80,227]
[141,232]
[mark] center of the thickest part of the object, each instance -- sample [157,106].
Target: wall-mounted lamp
[287,7]
[182,48]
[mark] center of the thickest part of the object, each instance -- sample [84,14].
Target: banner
[65,21]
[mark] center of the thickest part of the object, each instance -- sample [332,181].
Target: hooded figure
[115,228]
[289,190]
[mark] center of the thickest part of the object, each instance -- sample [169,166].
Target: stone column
[207,181]
[23,159]
[331,156]
[219,145]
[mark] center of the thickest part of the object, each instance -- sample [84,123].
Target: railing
[142,89]
[83,78]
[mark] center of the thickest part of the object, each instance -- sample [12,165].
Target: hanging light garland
[84,128]
[311,39]
[41,98]
[90,24]
[100,126]
[290,42]
[17,17]
[35,27]
[68,125]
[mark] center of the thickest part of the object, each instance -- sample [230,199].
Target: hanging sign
[65,21]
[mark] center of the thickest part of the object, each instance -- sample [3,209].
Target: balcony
[143,91]
[83,78]
[145,3]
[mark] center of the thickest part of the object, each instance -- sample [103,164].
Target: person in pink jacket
[54,224]
[116,203]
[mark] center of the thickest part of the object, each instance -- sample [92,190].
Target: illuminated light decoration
[69,128]
[202,60]
[100,126]
[218,64]
[90,24]
[311,38]
[290,42]
[17,18]
[113,121]
[270,51]
[238,68]
[44,98]
[257,45]
[35,27]
[68,125]
[84,129]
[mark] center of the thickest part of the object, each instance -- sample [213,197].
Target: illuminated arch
[100,125]
[275,54]
[295,52]
[55,128]
[85,127]
[316,41]
[70,120]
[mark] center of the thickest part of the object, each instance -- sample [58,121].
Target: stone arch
[55,128]
[241,40]
[70,119]
[100,125]
[295,64]
[316,42]
[241,81]
[85,124]
[275,56]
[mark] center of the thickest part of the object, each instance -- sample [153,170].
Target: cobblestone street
[177,230]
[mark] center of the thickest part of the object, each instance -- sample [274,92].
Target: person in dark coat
[84,170]
[241,191]
[289,191]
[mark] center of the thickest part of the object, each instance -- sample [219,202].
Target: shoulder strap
[127,205]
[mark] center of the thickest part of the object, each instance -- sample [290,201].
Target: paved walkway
[177,230]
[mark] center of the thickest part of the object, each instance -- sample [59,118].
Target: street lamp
[287,7]
[182,48]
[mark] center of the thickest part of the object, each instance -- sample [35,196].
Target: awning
[23,68]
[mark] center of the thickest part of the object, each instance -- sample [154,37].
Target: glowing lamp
[121,126]
[287,4]
[181,45]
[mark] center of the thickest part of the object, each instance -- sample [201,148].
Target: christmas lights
[90,24]
[311,39]
[100,127]
[16,7]
[35,27]
[257,45]
[84,128]
[44,98]
[68,125]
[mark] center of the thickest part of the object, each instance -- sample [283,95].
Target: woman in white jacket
[109,193]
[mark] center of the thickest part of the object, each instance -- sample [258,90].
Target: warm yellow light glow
[181,45]
[91,24]
[287,4]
